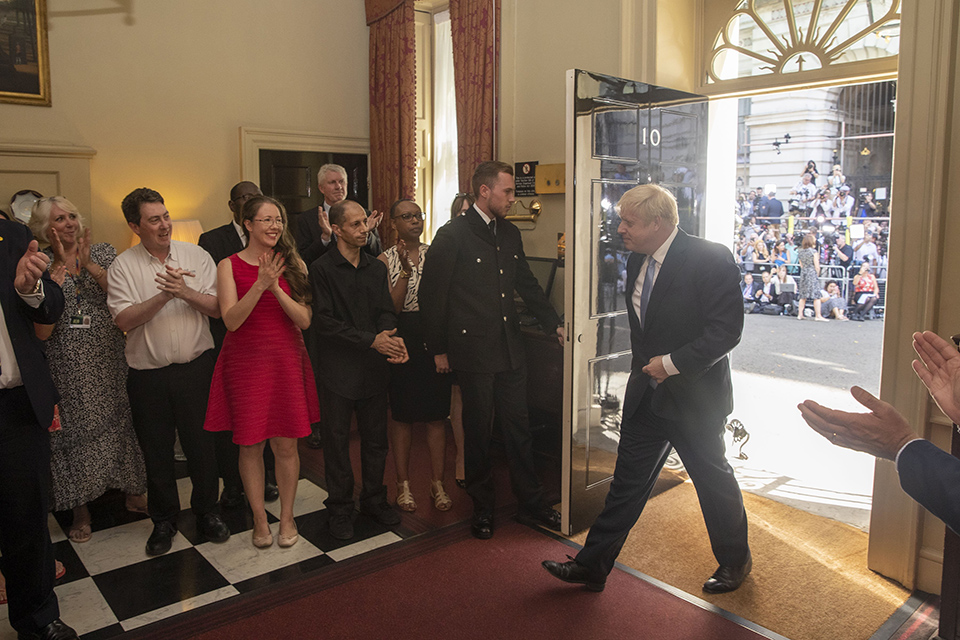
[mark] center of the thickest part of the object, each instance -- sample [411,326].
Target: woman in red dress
[263,387]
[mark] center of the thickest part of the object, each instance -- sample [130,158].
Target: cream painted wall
[541,39]
[161,92]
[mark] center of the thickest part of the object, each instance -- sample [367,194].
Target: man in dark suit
[771,209]
[684,306]
[474,265]
[221,243]
[313,231]
[27,398]
[928,474]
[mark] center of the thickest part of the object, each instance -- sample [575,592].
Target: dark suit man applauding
[928,474]
[684,305]
[466,298]
[27,397]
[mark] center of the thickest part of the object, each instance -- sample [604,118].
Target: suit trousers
[645,441]
[338,471]
[27,561]
[504,394]
[168,401]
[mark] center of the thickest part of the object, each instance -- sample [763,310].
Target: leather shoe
[56,630]
[341,526]
[270,491]
[161,539]
[545,516]
[213,528]
[482,527]
[231,498]
[382,513]
[726,578]
[574,573]
[314,441]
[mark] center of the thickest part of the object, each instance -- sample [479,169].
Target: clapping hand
[172,281]
[373,220]
[404,254]
[326,229]
[939,369]
[56,246]
[270,269]
[83,248]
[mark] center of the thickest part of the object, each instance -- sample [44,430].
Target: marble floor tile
[140,588]
[83,607]
[309,498]
[120,546]
[179,607]
[237,559]
[364,546]
[56,531]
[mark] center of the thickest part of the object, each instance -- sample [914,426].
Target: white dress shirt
[178,333]
[243,236]
[9,369]
[659,256]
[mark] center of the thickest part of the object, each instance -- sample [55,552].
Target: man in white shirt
[866,250]
[162,293]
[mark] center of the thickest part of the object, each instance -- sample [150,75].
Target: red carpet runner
[491,589]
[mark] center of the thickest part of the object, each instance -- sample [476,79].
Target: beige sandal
[404,498]
[440,498]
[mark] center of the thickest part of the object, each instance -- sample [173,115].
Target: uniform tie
[493,227]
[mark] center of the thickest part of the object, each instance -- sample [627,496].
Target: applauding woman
[263,387]
[96,448]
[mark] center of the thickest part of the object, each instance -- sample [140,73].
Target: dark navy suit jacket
[695,314]
[931,476]
[19,316]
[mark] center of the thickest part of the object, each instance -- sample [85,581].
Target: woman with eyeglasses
[95,448]
[263,387]
[418,394]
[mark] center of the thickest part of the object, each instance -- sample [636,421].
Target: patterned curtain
[393,124]
[476,67]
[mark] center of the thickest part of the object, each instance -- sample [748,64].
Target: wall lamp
[532,212]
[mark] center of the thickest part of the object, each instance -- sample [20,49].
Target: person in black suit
[312,229]
[27,398]
[470,319]
[221,243]
[928,474]
[684,307]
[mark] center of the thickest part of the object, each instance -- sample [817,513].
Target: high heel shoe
[262,542]
[440,498]
[404,498]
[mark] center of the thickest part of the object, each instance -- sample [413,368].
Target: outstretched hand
[30,268]
[881,433]
[939,369]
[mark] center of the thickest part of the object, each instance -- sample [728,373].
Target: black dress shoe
[382,513]
[341,526]
[213,528]
[574,573]
[314,441]
[726,578]
[461,483]
[56,630]
[545,516]
[231,498]
[270,491]
[161,539]
[482,527]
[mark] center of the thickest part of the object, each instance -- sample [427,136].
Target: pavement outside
[780,362]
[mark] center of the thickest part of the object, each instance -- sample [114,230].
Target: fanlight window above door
[792,36]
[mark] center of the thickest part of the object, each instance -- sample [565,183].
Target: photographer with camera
[866,206]
[843,204]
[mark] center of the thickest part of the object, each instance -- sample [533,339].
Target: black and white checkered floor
[112,586]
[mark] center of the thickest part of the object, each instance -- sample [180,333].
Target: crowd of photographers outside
[822,256]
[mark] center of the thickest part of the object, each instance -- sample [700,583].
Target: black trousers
[27,561]
[338,471]
[165,402]
[645,441]
[503,393]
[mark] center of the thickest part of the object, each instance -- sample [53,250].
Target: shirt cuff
[668,366]
[326,242]
[33,299]
[897,459]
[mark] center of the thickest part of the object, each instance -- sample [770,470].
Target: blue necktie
[647,288]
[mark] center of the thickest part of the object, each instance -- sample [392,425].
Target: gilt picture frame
[24,62]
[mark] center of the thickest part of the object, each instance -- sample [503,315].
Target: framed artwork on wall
[24,64]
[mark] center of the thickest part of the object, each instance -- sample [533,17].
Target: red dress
[263,384]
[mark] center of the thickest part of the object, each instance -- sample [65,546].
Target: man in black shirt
[354,320]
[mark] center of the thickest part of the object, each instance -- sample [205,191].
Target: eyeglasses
[269,221]
[407,217]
